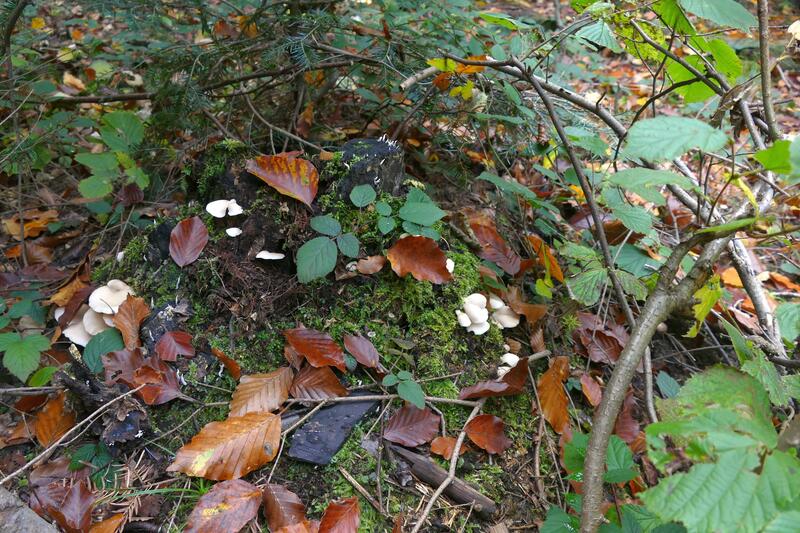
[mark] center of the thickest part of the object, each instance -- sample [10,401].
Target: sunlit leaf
[287,174]
[261,393]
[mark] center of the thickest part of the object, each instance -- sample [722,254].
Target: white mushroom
[93,322]
[75,331]
[270,256]
[479,329]
[450,265]
[477,299]
[218,208]
[120,256]
[510,359]
[495,302]
[234,209]
[794,29]
[463,319]
[233,232]
[505,317]
[109,297]
[476,314]
[502,371]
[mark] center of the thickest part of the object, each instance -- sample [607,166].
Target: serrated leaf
[647,182]
[600,34]
[664,138]
[776,157]
[722,12]
[766,374]
[706,297]
[22,356]
[327,225]
[788,316]
[348,244]
[420,209]
[587,286]
[362,195]
[634,217]
[619,462]
[316,259]
[95,187]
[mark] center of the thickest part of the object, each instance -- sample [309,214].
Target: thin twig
[377,397]
[766,69]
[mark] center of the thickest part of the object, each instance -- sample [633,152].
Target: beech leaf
[287,174]
[53,420]
[493,247]
[552,396]
[187,240]
[174,343]
[411,426]
[444,446]
[317,347]
[420,257]
[261,393]
[317,384]
[129,318]
[362,349]
[282,507]
[341,516]
[230,365]
[488,433]
[230,449]
[228,506]
[510,384]
[371,265]
[591,390]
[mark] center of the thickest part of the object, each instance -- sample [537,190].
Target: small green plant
[317,257]
[407,388]
[21,355]
[418,214]
[97,457]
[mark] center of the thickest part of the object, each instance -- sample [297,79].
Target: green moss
[215,163]
[489,477]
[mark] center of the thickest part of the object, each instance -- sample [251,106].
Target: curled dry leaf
[341,516]
[282,507]
[129,318]
[591,390]
[317,347]
[420,257]
[600,342]
[444,446]
[230,449]
[317,384]
[228,506]
[546,257]
[362,349]
[287,174]
[488,433]
[292,357]
[552,396]
[493,247]
[70,506]
[34,223]
[626,426]
[411,426]
[174,343]
[112,524]
[160,382]
[261,393]
[230,365]
[371,265]
[511,383]
[187,240]
[516,301]
[53,420]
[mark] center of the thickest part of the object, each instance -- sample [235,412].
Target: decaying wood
[458,491]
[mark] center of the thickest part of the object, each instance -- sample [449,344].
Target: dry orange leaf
[546,257]
[627,427]
[317,384]
[341,516]
[230,365]
[516,301]
[444,446]
[228,506]
[282,507]
[488,433]
[261,393]
[174,343]
[731,278]
[493,247]
[230,449]
[371,264]
[34,222]
[784,282]
[510,384]
[412,426]
[287,174]
[552,396]
[53,421]
[317,347]
[591,389]
[112,524]
[362,349]
[420,257]
[73,81]
[129,317]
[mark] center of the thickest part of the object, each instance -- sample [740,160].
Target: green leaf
[728,227]
[440,63]
[575,452]
[42,377]
[587,286]
[28,306]
[484,117]
[348,244]
[707,296]
[694,92]
[362,195]
[327,225]
[727,62]
[22,355]
[647,182]
[98,163]
[123,131]
[619,462]
[390,380]
[664,138]
[667,385]
[776,157]
[501,19]
[783,522]
[632,285]
[766,374]
[600,34]
[634,217]
[316,259]
[104,342]
[512,93]
[722,12]
[742,347]
[788,315]
[558,521]
[633,260]
[512,187]
[386,224]
[411,392]
[383,208]
[405,375]
[420,209]
[95,187]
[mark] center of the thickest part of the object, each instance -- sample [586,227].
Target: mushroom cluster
[474,316]
[223,208]
[509,360]
[98,315]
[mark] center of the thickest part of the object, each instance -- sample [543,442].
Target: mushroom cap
[75,331]
[218,208]
[450,265]
[463,319]
[479,329]
[58,312]
[234,208]
[270,256]
[794,29]
[93,322]
[108,319]
[109,297]
[495,302]
[510,359]
[506,317]
[233,232]
[476,314]
[502,371]
[476,299]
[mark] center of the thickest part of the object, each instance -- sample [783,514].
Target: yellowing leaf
[287,174]
[707,296]
[443,64]
[37,23]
